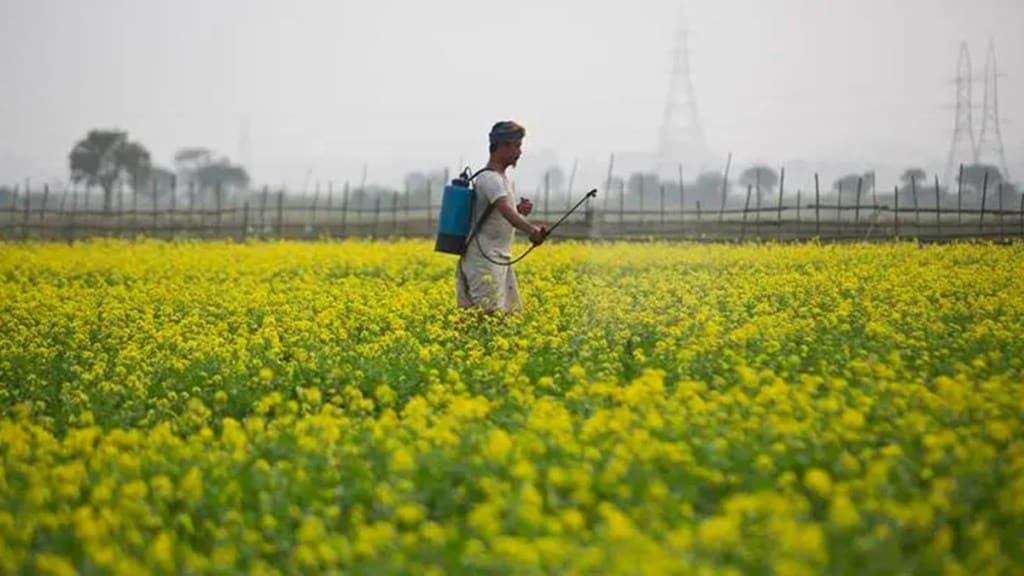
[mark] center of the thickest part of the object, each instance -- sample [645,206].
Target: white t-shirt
[496,234]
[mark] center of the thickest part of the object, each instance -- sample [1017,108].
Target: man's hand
[538,234]
[525,207]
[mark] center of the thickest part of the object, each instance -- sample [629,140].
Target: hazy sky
[326,86]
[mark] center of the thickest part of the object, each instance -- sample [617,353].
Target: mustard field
[656,409]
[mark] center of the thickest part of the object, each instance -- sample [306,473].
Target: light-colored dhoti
[484,284]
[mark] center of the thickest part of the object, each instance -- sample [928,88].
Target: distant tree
[221,177]
[846,187]
[206,174]
[913,175]
[974,177]
[160,183]
[763,179]
[188,161]
[105,157]
[848,183]
[137,165]
[708,187]
[869,182]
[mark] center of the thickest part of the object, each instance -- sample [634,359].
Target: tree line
[109,160]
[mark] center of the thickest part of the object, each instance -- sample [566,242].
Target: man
[481,278]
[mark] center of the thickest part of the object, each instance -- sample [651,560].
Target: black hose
[518,259]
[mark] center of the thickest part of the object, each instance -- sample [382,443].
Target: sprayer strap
[483,217]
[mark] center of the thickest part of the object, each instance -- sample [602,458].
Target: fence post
[746,206]
[344,207]
[938,208]
[569,187]
[191,207]
[682,201]
[263,210]
[120,211]
[622,203]
[896,212]
[330,205]
[839,209]
[960,197]
[219,201]
[817,207]
[46,195]
[430,204]
[856,208]
[917,208]
[984,196]
[135,210]
[725,188]
[311,217]
[407,219]
[607,187]
[662,205]
[28,211]
[1000,206]
[71,221]
[782,188]
[1022,215]
[245,222]
[376,213]
[798,195]
[643,193]
[394,214]
[12,213]
[63,202]
[757,215]
[152,187]
[280,214]
[174,203]
[698,210]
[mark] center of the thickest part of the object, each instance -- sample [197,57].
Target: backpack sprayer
[455,229]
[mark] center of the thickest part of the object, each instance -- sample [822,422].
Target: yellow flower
[842,512]
[818,481]
[402,461]
[190,487]
[719,532]
[410,513]
[498,445]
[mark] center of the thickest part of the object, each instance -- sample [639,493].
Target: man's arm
[509,212]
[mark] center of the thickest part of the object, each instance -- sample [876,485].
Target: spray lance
[588,196]
[455,230]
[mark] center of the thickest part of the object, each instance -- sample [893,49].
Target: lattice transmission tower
[682,137]
[990,141]
[964,149]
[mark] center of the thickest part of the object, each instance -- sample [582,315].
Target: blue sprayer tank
[456,218]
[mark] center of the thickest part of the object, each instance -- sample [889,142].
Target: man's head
[506,142]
